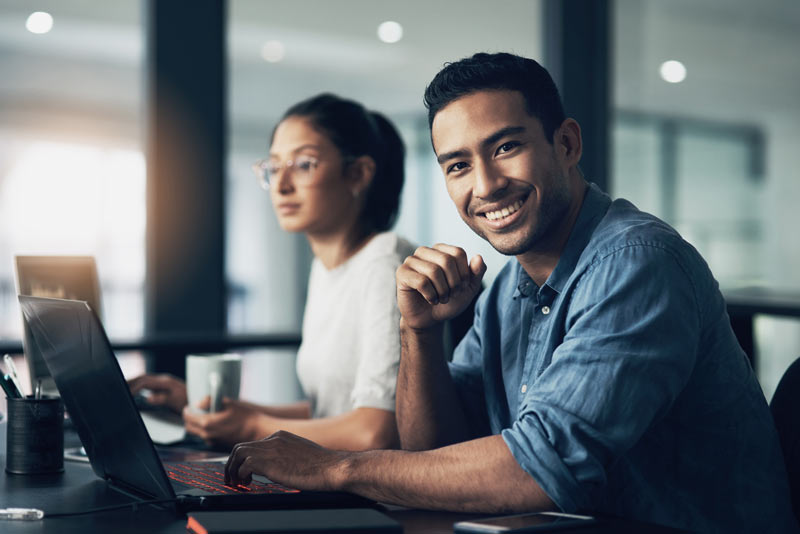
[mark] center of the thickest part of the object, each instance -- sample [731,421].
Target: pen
[24,514]
[12,371]
[8,386]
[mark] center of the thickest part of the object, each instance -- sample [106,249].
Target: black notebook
[291,521]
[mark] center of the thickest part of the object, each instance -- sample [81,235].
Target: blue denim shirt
[619,385]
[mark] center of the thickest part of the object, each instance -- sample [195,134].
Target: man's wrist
[432,331]
[343,475]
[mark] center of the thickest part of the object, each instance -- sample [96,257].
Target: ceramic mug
[213,375]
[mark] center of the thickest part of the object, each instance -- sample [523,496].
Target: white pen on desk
[21,514]
[12,372]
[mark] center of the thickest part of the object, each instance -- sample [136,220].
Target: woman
[335,173]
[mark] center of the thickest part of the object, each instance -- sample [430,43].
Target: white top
[351,330]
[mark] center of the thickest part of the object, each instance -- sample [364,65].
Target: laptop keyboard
[210,477]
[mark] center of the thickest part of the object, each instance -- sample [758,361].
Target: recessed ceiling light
[39,22]
[390,31]
[672,71]
[273,51]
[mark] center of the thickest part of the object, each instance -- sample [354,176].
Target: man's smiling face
[508,182]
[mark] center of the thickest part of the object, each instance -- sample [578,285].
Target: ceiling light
[672,71]
[273,51]
[39,22]
[390,31]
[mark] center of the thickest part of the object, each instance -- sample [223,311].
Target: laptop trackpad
[163,428]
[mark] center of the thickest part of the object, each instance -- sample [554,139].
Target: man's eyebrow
[492,139]
[502,132]
[450,155]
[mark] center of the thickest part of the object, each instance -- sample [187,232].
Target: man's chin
[510,249]
[509,245]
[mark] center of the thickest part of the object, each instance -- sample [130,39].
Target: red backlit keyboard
[210,477]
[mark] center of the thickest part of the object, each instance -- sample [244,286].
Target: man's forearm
[357,430]
[475,476]
[428,412]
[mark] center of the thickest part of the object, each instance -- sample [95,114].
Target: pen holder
[35,436]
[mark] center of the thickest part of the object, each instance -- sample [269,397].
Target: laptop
[73,343]
[76,278]
[64,277]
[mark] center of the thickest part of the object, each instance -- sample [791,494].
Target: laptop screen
[73,343]
[63,277]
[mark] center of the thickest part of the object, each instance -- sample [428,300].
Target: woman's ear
[360,174]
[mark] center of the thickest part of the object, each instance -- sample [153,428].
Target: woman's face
[308,185]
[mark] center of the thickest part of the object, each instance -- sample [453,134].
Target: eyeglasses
[301,170]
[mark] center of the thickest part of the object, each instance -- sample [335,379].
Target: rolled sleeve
[530,445]
[627,353]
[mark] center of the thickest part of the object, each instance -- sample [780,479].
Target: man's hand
[287,459]
[436,284]
[165,390]
[238,421]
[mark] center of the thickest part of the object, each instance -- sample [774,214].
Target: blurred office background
[703,131]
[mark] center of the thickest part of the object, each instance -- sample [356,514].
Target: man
[601,372]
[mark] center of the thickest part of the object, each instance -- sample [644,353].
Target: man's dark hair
[500,71]
[356,132]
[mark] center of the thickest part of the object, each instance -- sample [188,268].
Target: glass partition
[706,135]
[283,52]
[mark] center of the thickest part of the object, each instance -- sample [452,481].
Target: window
[72,174]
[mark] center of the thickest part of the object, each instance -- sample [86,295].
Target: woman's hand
[238,421]
[165,390]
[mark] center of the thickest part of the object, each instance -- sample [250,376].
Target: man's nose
[488,180]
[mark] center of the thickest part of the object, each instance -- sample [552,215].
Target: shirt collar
[595,205]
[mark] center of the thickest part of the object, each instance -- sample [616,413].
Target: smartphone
[537,522]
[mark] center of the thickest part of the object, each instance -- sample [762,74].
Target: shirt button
[524,388]
[545,310]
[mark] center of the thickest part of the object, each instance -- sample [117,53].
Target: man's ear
[360,174]
[568,142]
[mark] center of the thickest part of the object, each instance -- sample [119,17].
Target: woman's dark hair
[498,71]
[357,132]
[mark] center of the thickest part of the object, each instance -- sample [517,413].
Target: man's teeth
[505,212]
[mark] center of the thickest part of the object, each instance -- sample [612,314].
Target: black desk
[78,489]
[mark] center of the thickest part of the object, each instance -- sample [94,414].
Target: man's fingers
[447,259]
[458,255]
[435,275]
[245,472]
[232,465]
[477,266]
[417,281]
[241,463]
